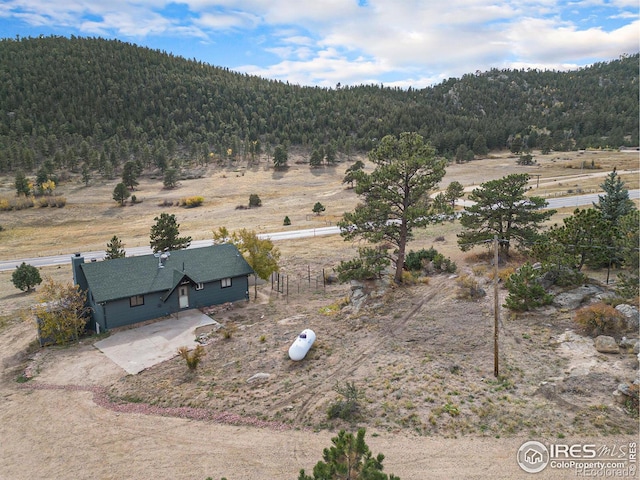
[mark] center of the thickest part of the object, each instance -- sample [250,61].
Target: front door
[183,296]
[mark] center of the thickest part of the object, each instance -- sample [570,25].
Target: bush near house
[193,357]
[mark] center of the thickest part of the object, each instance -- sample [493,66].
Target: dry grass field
[421,356]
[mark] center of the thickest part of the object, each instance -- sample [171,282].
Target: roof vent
[162,258]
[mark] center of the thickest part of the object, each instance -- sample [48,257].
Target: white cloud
[227,20]
[329,41]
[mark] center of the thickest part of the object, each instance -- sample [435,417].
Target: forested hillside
[99,103]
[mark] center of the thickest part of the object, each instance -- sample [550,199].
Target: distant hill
[73,102]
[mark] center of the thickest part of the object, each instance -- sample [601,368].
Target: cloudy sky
[325,42]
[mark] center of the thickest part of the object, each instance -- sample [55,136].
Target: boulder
[628,344]
[606,344]
[631,315]
[573,298]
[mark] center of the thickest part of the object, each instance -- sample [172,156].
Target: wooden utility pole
[496,306]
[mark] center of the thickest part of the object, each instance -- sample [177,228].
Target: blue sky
[325,42]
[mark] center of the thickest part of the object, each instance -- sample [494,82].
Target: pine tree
[115,249]
[280,157]
[165,234]
[22,184]
[615,203]
[348,458]
[25,277]
[318,208]
[395,194]
[121,193]
[501,208]
[130,174]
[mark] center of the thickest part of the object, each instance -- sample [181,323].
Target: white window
[199,286]
[136,301]
[225,282]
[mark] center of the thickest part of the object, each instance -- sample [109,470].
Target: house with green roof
[125,291]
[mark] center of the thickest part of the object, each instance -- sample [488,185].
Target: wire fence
[290,284]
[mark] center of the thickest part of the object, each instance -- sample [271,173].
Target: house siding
[111,284]
[214,294]
[119,313]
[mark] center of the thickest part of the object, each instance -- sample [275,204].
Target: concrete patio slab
[139,348]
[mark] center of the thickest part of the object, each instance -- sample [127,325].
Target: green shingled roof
[125,277]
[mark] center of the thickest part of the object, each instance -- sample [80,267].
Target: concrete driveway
[143,347]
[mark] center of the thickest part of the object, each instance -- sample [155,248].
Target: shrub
[286,221]
[468,288]
[628,287]
[369,265]
[16,203]
[254,200]
[58,202]
[348,407]
[632,405]
[525,290]
[51,201]
[193,357]
[61,313]
[191,202]
[599,319]
[408,278]
[563,276]
[228,330]
[422,259]
[25,277]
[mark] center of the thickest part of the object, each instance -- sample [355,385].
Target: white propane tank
[302,344]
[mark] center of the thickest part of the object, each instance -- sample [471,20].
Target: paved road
[53,260]
[574,201]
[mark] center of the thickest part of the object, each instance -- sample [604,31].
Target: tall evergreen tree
[115,249]
[130,174]
[280,157]
[581,240]
[502,209]
[165,234]
[615,202]
[22,184]
[121,193]
[395,194]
